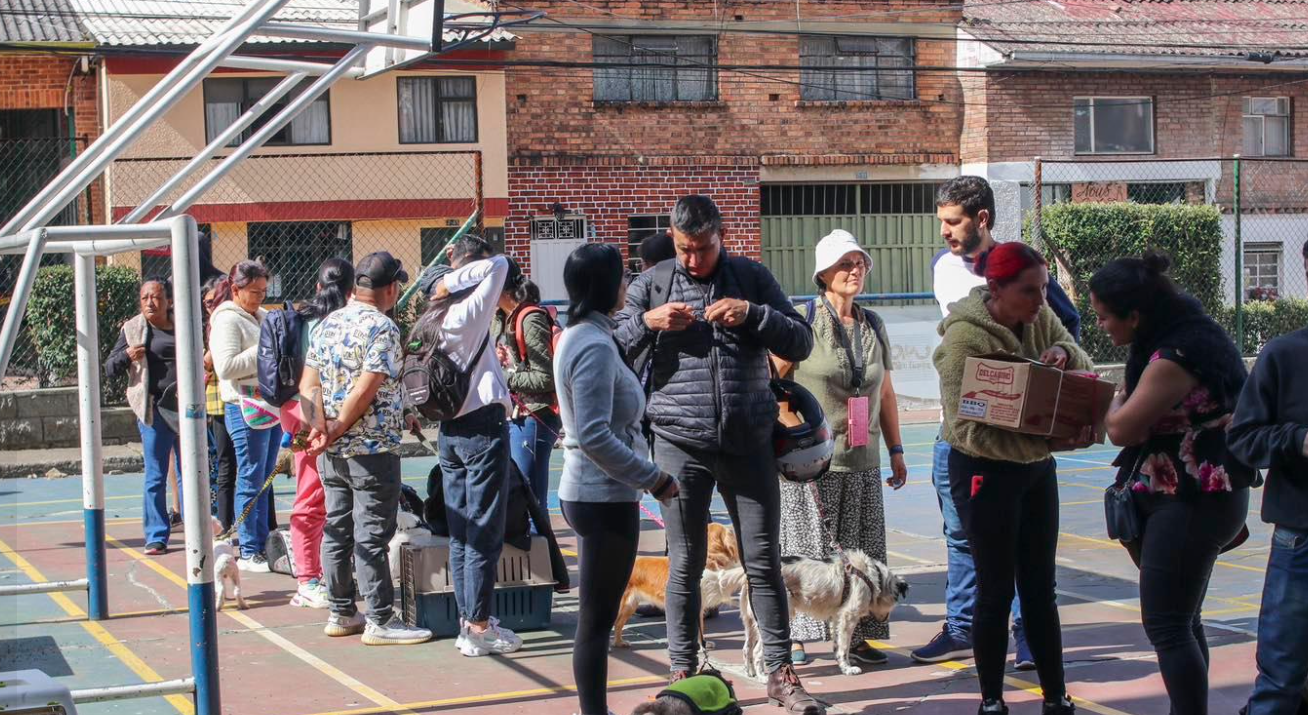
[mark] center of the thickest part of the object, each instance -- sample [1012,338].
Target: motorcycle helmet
[803,451]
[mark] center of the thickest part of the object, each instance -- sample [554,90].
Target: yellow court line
[1107,542]
[102,636]
[317,663]
[1013,682]
[494,697]
[64,501]
[64,522]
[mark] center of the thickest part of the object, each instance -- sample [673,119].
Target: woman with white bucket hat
[849,373]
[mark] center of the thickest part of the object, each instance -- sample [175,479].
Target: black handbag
[1121,513]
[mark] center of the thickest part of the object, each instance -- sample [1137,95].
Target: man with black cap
[354,401]
[474,446]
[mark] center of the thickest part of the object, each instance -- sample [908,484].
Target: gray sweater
[601,403]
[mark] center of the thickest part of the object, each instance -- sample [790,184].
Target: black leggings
[1181,542]
[224,474]
[608,534]
[1010,514]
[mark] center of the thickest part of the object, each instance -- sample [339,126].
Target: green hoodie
[969,331]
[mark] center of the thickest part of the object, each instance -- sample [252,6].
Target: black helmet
[803,451]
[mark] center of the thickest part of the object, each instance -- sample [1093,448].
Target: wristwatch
[897,449]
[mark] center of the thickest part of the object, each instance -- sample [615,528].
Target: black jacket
[709,384]
[1271,421]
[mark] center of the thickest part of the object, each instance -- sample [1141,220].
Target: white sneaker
[395,632]
[311,595]
[339,626]
[463,634]
[494,639]
[255,564]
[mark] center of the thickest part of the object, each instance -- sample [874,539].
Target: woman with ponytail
[1003,483]
[1183,376]
[309,513]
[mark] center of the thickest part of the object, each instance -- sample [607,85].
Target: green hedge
[1081,238]
[51,319]
[1266,319]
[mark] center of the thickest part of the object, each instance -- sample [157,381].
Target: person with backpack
[699,328]
[528,334]
[352,397]
[452,339]
[284,345]
[849,374]
[255,434]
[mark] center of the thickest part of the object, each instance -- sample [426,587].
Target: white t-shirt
[952,279]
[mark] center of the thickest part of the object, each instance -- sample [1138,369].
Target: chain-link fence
[1234,229]
[26,166]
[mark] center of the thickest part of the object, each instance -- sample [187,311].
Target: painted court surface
[276,660]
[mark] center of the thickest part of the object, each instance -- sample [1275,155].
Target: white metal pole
[181,686]
[73,180]
[266,102]
[18,302]
[195,465]
[266,132]
[88,413]
[269,64]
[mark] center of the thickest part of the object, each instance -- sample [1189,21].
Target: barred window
[1262,270]
[226,99]
[845,69]
[437,110]
[1267,126]
[656,68]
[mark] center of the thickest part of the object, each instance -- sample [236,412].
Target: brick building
[1147,101]
[845,124]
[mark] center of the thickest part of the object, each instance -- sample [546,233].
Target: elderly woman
[147,352]
[234,343]
[849,373]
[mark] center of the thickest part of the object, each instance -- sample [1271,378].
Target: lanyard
[855,356]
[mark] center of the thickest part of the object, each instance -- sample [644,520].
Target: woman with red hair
[1004,483]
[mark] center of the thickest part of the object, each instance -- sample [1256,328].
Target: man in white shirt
[474,447]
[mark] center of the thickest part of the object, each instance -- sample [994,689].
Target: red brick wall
[40,82]
[606,193]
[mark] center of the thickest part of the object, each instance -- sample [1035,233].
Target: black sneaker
[1063,706]
[945,646]
[174,519]
[868,655]
[992,707]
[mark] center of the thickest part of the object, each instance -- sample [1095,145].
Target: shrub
[1079,239]
[51,318]
[1266,319]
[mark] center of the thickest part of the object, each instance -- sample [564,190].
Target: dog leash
[652,516]
[297,445]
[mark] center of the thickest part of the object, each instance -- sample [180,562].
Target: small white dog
[409,529]
[225,573]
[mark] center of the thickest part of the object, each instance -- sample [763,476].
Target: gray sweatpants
[363,496]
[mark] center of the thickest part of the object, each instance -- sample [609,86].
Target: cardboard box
[1030,397]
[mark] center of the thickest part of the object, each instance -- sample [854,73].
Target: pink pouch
[858,408]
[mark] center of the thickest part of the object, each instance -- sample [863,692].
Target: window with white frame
[655,68]
[1114,125]
[1266,126]
[640,228]
[1262,271]
[845,69]
[437,110]
[226,99]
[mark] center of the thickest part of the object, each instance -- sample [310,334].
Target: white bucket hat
[833,247]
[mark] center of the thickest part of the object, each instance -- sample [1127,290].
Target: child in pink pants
[307,518]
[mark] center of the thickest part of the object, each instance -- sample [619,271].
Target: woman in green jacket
[1004,483]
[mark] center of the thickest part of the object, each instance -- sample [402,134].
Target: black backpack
[435,384]
[281,356]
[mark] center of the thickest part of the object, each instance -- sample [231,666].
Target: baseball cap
[378,270]
[833,247]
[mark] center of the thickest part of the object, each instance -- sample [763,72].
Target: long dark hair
[593,275]
[336,276]
[1127,285]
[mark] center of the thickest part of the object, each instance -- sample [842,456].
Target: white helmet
[803,451]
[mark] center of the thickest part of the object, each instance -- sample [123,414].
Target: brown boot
[785,691]
[678,675]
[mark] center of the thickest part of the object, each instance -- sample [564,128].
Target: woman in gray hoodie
[602,403]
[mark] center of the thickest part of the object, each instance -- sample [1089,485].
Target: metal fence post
[88,394]
[479,195]
[1239,260]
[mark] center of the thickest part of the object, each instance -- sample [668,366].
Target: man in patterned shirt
[356,405]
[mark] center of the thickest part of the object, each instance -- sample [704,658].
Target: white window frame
[1153,126]
[662,223]
[1248,113]
[1262,249]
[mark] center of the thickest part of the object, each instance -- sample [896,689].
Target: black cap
[378,270]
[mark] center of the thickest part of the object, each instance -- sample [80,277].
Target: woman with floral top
[1183,376]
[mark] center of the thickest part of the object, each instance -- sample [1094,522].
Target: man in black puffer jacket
[699,328]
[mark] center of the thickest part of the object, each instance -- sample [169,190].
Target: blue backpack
[281,356]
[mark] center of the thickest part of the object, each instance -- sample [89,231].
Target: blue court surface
[275,658]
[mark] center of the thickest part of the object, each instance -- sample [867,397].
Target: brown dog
[649,580]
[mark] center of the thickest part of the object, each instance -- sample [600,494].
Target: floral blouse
[1186,451]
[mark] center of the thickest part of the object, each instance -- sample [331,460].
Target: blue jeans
[960,576]
[530,446]
[1282,623]
[474,454]
[159,443]
[256,455]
